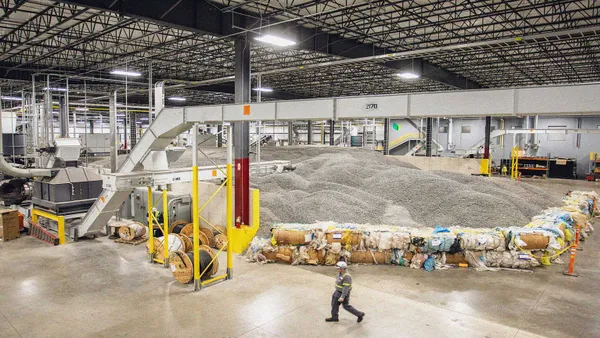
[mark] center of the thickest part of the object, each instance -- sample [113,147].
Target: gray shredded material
[361,186]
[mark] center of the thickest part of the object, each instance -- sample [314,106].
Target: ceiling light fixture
[52,89]
[275,40]
[125,73]
[81,109]
[11,98]
[409,75]
[263,89]
[177,98]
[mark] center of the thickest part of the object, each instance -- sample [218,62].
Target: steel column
[310,133]
[331,132]
[112,118]
[241,133]
[63,117]
[386,136]
[220,135]
[488,131]
[428,137]
[150,93]
[290,133]
[132,130]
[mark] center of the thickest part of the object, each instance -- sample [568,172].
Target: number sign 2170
[371,106]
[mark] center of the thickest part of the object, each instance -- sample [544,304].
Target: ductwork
[8,169]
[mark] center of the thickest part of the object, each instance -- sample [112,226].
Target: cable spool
[220,242]
[129,232]
[202,239]
[176,242]
[177,226]
[209,233]
[187,243]
[182,264]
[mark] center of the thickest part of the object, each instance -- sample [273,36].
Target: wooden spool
[187,230]
[176,242]
[132,231]
[182,264]
[202,239]
[220,241]
[177,226]
[534,241]
[208,232]
[220,229]
[187,243]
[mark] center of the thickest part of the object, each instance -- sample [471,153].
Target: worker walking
[341,295]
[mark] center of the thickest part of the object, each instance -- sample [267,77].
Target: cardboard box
[9,225]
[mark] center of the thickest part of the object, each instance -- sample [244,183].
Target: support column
[220,136]
[63,117]
[290,133]
[428,136]
[91,126]
[488,130]
[331,132]
[112,118]
[309,137]
[386,136]
[132,129]
[150,93]
[241,133]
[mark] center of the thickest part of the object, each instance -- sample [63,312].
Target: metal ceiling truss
[453,44]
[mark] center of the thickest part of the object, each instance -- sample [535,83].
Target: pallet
[135,241]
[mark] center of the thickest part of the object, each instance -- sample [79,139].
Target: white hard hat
[341,265]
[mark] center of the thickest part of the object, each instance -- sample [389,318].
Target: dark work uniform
[343,286]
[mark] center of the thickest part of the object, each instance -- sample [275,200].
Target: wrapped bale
[438,244]
[345,237]
[489,241]
[284,254]
[510,259]
[456,259]
[400,240]
[289,236]
[370,257]
[533,241]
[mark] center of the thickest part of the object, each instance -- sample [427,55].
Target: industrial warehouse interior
[301,168]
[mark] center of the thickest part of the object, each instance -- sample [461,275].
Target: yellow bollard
[196,225]
[61,230]
[150,226]
[165,227]
[229,217]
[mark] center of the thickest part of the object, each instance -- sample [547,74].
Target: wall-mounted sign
[371,106]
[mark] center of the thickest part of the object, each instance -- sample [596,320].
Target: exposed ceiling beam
[206,17]
[22,74]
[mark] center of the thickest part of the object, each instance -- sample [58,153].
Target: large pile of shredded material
[365,187]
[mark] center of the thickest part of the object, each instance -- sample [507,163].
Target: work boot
[360,318]
[332,319]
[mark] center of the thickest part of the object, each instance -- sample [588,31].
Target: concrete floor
[102,289]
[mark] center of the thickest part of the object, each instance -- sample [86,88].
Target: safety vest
[342,281]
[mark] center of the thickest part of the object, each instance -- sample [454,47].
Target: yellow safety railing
[404,138]
[165,227]
[58,219]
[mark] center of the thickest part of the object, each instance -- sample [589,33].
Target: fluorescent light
[176,98]
[275,40]
[55,89]
[81,109]
[263,89]
[125,73]
[11,98]
[409,75]
[143,119]
[120,115]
